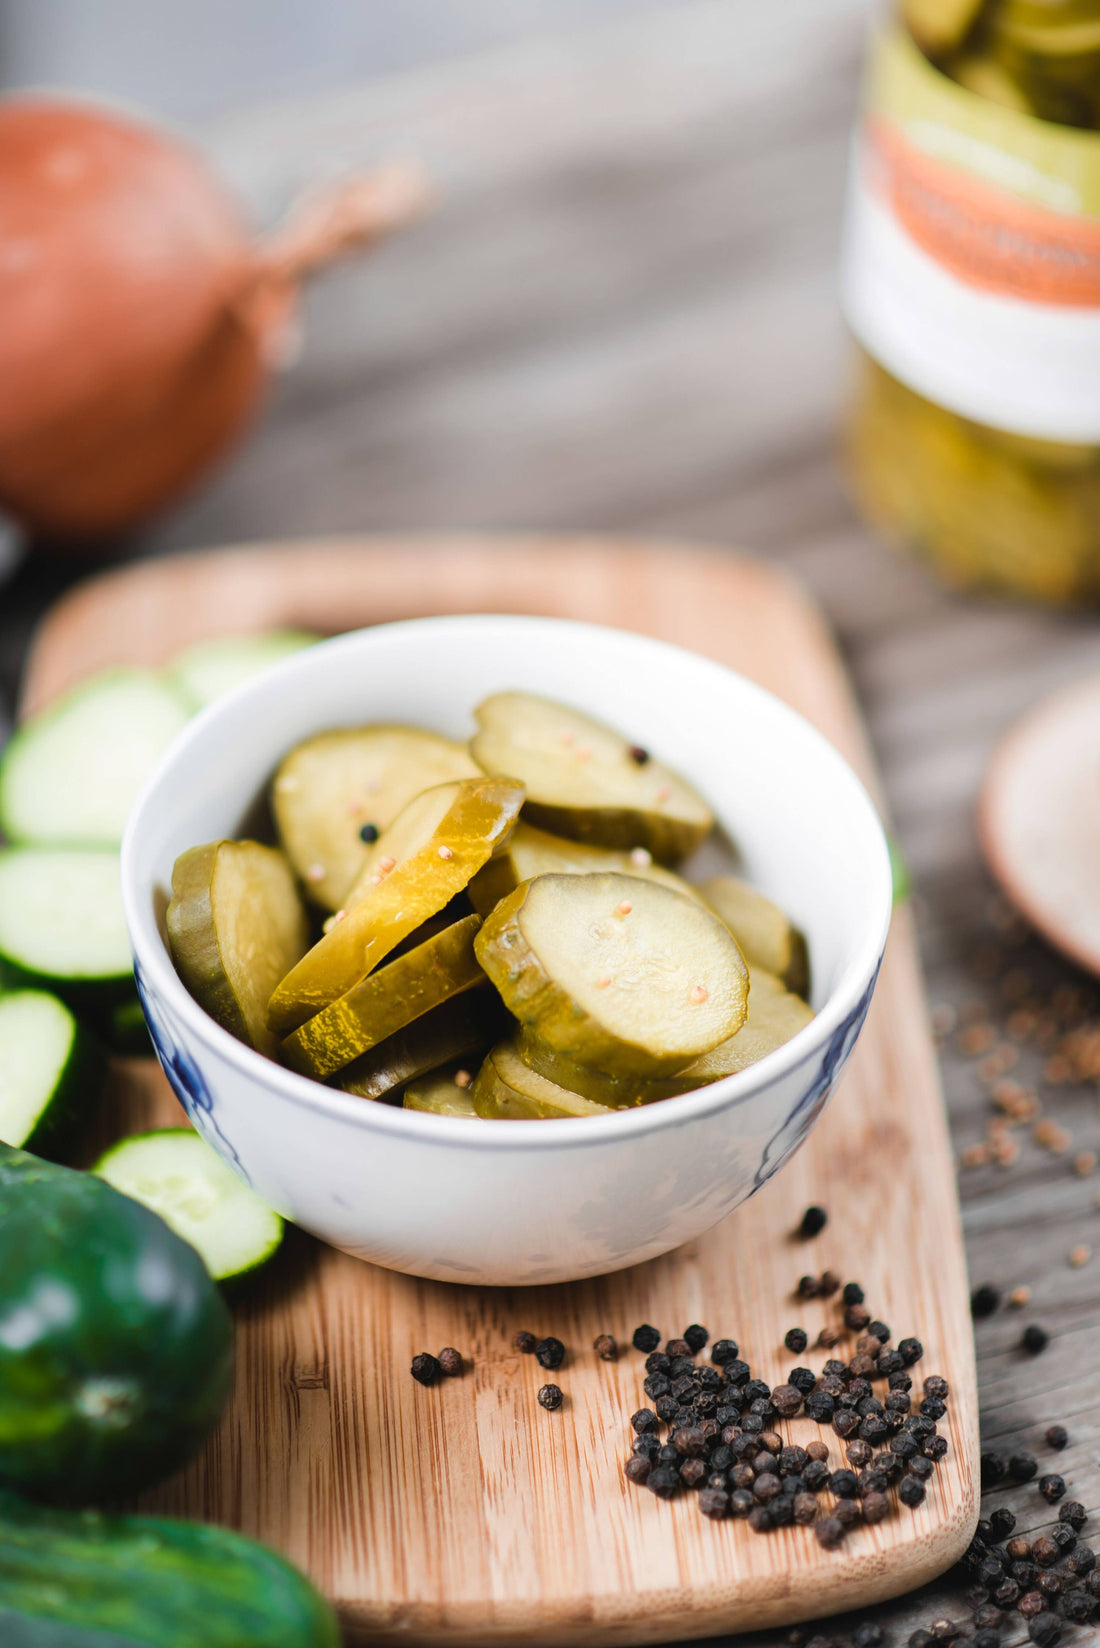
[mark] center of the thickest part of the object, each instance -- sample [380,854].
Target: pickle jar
[971,282]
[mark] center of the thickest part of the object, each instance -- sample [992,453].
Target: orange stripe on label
[985,237]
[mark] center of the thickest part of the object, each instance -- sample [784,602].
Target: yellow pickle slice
[622,974]
[446,1092]
[337,792]
[505,1089]
[531,852]
[768,940]
[428,854]
[585,781]
[464,1027]
[236,926]
[386,1001]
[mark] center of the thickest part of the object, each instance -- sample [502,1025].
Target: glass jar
[971,280]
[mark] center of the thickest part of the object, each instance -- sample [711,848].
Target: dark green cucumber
[76,1579]
[51,1071]
[116,1348]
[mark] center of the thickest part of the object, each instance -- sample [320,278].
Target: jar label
[971,263]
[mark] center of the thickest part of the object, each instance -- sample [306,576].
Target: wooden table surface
[622,317]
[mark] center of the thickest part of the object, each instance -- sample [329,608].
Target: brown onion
[138,321]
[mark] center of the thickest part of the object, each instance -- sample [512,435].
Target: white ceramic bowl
[497,1202]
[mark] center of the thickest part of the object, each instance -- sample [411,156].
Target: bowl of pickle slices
[440,876]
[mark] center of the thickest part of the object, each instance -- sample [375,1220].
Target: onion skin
[138,321]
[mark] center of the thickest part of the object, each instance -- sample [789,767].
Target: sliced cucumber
[530,852]
[51,1072]
[428,854]
[463,1028]
[587,782]
[61,921]
[334,786]
[176,1173]
[774,1016]
[236,926]
[386,1001]
[625,975]
[209,669]
[442,1094]
[766,937]
[70,775]
[505,1089]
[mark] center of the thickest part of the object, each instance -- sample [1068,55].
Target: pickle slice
[766,938]
[236,926]
[774,1016]
[585,781]
[441,1094]
[463,1028]
[622,974]
[386,1001]
[532,852]
[327,789]
[940,25]
[506,1090]
[416,867]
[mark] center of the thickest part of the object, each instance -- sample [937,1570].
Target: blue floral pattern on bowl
[187,1080]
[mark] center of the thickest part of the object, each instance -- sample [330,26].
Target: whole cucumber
[70,1578]
[116,1348]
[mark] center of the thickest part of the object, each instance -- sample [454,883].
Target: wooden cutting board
[465,1513]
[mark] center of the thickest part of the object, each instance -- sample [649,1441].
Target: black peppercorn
[1006,1595]
[808,1287]
[664,1480]
[708,1378]
[876,1506]
[645,1338]
[853,1294]
[741,1502]
[993,1469]
[637,1468]
[988,1618]
[550,1397]
[856,1317]
[606,1348]
[657,1362]
[683,1388]
[656,1385]
[667,1408]
[644,1420]
[1052,1488]
[450,1362]
[787,1401]
[874,1429]
[549,1352]
[935,1448]
[804,1509]
[796,1340]
[727,1415]
[735,1374]
[813,1223]
[868,1635]
[647,1444]
[900,1382]
[524,1342]
[1031,1604]
[723,1351]
[678,1347]
[1035,1339]
[898,1402]
[721,1458]
[906,1446]
[910,1351]
[932,1408]
[911,1491]
[693,1472]
[815,1475]
[715,1503]
[828,1283]
[1074,1513]
[846,1423]
[802,1379]
[889,1361]
[859,1453]
[1024,1573]
[872,1481]
[1018,1549]
[936,1386]
[830,1532]
[1078,1607]
[1022,1467]
[1045,1631]
[425,1369]
[984,1301]
[921,1468]
[742,1476]
[792,1460]
[761,1519]
[766,1487]
[755,1389]
[1044,1551]
[986,1639]
[1064,1537]
[368,833]
[1056,1437]
[879,1331]
[696,1337]
[1049,1585]
[843,1484]
[820,1406]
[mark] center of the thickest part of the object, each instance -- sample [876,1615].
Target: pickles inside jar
[481,966]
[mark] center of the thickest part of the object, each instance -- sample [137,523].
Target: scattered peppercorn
[425,1369]
[984,1301]
[695,1337]
[606,1348]
[1074,1513]
[450,1362]
[549,1352]
[1052,1488]
[1001,1523]
[524,1342]
[830,1532]
[796,1340]
[1035,1339]
[368,833]
[637,1468]
[808,1287]
[645,1338]
[853,1294]
[550,1397]
[1045,1630]
[1022,1467]
[856,1317]
[1056,1437]
[813,1223]
[911,1491]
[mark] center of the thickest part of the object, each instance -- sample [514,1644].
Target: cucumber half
[386,1001]
[209,669]
[622,974]
[463,1028]
[178,1176]
[51,1072]
[428,854]
[236,926]
[61,922]
[332,787]
[70,775]
[445,1092]
[506,1089]
[587,782]
[531,852]
[766,937]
